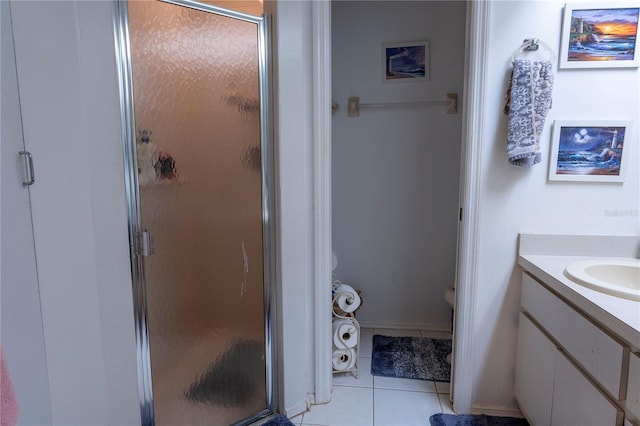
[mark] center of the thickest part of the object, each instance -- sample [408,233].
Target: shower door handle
[28,162]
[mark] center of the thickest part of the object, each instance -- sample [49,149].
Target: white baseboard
[438,327]
[296,410]
[500,411]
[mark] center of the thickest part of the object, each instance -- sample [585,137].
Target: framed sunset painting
[600,35]
[593,151]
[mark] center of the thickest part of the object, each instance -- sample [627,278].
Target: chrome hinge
[144,244]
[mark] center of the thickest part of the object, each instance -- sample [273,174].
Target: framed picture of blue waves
[405,62]
[590,151]
[600,35]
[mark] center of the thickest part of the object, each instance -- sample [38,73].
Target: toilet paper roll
[343,359]
[347,298]
[334,261]
[345,334]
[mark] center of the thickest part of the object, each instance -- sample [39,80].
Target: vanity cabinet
[578,401]
[568,370]
[535,372]
[633,387]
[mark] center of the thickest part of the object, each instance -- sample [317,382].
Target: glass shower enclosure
[198,162]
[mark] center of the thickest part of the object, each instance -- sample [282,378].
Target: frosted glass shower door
[197,91]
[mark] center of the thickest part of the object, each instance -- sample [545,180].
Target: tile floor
[379,401]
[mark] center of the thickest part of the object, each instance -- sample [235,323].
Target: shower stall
[198,166]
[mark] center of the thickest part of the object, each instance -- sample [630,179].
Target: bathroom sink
[615,276]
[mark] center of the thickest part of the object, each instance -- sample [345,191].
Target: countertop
[620,316]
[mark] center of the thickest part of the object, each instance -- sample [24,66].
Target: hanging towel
[9,410]
[528,102]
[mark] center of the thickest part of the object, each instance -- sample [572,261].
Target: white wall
[517,200]
[69,96]
[396,172]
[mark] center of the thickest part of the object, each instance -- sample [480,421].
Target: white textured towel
[528,102]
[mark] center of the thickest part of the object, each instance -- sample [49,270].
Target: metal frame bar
[268,210]
[216,9]
[123,59]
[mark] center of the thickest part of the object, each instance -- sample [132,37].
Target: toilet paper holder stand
[339,314]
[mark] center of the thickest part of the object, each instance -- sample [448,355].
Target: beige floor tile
[297,420]
[404,384]
[349,406]
[394,407]
[366,344]
[443,387]
[364,380]
[447,408]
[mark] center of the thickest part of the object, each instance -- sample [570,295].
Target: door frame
[322,227]
[123,58]
[477,33]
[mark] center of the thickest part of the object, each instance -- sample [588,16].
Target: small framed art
[589,151]
[600,35]
[405,61]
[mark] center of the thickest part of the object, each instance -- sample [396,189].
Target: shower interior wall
[396,171]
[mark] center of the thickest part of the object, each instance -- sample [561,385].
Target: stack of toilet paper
[346,335]
[345,298]
[346,330]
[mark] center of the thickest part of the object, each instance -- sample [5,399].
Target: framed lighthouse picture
[600,35]
[590,151]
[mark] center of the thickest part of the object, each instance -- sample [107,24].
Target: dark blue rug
[411,358]
[279,420]
[474,420]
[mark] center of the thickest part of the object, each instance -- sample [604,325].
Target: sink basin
[615,276]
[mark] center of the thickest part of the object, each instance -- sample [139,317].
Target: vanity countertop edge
[620,316]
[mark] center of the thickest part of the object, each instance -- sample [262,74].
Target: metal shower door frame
[123,59]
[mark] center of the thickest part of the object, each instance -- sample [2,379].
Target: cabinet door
[534,373]
[633,385]
[596,351]
[577,401]
[22,332]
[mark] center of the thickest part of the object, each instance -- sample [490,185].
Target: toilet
[450,297]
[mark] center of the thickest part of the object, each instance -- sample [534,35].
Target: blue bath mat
[471,420]
[411,358]
[279,420]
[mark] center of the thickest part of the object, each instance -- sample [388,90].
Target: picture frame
[404,62]
[600,35]
[590,151]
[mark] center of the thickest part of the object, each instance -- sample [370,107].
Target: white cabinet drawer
[633,386]
[577,401]
[595,350]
